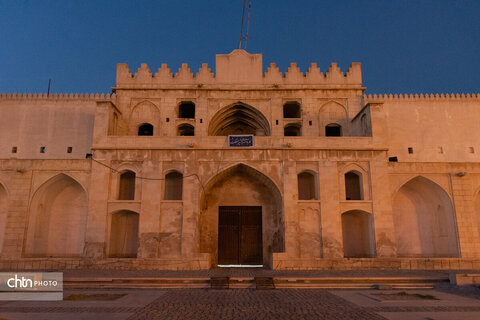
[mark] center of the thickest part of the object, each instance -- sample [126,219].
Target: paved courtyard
[445,302]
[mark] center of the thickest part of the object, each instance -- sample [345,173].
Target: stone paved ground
[242,304]
[252,304]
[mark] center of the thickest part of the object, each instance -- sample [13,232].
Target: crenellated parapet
[420,97]
[240,68]
[56,96]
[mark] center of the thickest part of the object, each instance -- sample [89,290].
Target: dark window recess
[14,149]
[186,130]
[126,190]
[145,129]
[173,186]
[276,122]
[306,186]
[201,120]
[186,110]
[69,149]
[167,120]
[393,159]
[410,150]
[310,122]
[333,130]
[353,187]
[291,110]
[292,131]
[42,149]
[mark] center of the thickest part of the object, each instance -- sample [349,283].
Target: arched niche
[239,118]
[307,186]
[123,241]
[358,234]
[145,129]
[424,220]
[173,186]
[126,185]
[333,113]
[144,112]
[3,214]
[353,185]
[185,130]
[58,219]
[242,185]
[292,130]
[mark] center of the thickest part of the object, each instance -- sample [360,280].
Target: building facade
[289,171]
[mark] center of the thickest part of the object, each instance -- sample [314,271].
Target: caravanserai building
[290,171]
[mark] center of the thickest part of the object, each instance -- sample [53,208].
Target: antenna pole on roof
[244,37]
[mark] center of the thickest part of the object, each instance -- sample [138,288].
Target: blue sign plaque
[240,140]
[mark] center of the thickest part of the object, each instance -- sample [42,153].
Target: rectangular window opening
[42,149]
[167,120]
[472,150]
[410,150]
[69,150]
[14,149]
[310,122]
[276,122]
[201,120]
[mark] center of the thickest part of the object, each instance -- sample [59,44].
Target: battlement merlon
[240,68]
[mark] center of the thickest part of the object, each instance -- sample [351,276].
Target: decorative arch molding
[239,118]
[424,219]
[332,102]
[252,189]
[218,175]
[144,112]
[57,219]
[41,180]
[346,167]
[433,178]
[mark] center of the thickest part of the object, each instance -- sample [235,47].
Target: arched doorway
[58,219]
[123,234]
[424,220]
[241,216]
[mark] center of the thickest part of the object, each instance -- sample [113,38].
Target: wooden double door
[240,235]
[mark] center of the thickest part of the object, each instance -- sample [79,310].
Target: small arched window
[307,189]
[333,130]
[291,109]
[145,129]
[186,130]
[126,189]
[353,186]
[173,186]
[186,110]
[292,130]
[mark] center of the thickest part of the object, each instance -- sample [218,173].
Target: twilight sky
[405,46]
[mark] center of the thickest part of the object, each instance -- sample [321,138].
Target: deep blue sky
[404,46]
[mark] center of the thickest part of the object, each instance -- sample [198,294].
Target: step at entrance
[219,282]
[264,283]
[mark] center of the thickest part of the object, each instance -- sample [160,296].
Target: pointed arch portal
[424,220]
[58,218]
[245,226]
